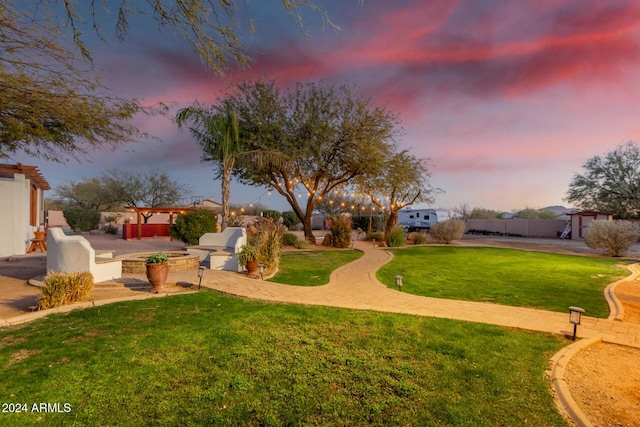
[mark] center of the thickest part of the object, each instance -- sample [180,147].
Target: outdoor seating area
[220,250]
[70,254]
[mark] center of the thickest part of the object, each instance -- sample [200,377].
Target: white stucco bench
[221,249]
[70,254]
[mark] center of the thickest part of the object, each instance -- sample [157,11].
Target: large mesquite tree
[308,140]
[53,105]
[610,183]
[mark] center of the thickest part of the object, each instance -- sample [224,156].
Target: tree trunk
[308,233]
[392,220]
[226,190]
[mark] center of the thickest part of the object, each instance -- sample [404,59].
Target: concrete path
[355,286]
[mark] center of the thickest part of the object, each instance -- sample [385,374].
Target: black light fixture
[575,316]
[261,270]
[200,275]
[399,282]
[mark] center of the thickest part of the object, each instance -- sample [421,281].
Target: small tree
[82,219]
[190,226]
[616,237]
[447,231]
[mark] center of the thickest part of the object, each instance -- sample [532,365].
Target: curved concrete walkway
[355,286]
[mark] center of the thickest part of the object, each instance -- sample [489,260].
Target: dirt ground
[604,379]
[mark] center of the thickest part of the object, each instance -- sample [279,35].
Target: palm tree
[218,133]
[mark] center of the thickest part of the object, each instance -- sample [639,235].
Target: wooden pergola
[140,211]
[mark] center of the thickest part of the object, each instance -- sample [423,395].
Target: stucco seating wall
[221,249]
[71,254]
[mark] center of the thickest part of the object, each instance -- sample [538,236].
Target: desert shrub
[63,288]
[301,244]
[268,240]
[341,231]
[290,219]
[419,238]
[191,225]
[396,237]
[289,239]
[111,226]
[82,219]
[378,237]
[447,231]
[615,237]
[328,240]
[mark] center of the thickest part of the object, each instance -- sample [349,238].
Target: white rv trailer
[421,219]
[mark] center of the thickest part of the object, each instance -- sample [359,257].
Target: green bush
[191,225]
[447,231]
[272,214]
[616,237]
[378,237]
[63,288]
[290,219]
[82,219]
[301,244]
[396,237]
[289,239]
[341,231]
[110,229]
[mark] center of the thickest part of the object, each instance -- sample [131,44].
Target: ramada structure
[21,192]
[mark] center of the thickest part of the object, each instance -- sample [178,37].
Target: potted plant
[157,270]
[248,257]
[39,233]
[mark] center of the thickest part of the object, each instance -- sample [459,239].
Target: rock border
[562,396]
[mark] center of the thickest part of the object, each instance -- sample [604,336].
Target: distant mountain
[558,210]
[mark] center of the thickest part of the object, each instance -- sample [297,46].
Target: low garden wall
[517,227]
[130,231]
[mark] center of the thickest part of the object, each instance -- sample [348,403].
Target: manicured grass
[505,276]
[208,359]
[311,268]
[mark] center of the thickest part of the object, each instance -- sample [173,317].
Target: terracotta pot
[252,268]
[157,274]
[39,234]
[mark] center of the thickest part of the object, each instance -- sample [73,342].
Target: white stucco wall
[15,231]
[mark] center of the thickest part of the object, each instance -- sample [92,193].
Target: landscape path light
[200,275]
[261,270]
[575,316]
[399,282]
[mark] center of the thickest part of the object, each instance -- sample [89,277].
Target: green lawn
[505,276]
[311,268]
[209,359]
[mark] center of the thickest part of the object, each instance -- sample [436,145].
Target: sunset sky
[507,98]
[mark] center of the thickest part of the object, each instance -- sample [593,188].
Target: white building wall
[15,231]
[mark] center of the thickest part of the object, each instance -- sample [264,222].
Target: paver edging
[616,310]
[563,399]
